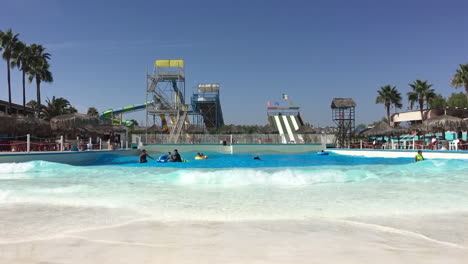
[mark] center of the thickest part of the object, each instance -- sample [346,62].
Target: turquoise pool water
[219,160]
[40,198]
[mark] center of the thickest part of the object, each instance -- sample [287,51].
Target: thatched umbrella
[7,124]
[193,129]
[73,122]
[154,129]
[34,126]
[444,123]
[21,125]
[383,129]
[268,129]
[306,130]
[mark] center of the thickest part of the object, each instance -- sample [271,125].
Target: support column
[61,143]
[28,143]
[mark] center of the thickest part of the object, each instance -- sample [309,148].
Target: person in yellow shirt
[419,156]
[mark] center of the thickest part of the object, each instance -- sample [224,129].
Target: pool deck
[399,153]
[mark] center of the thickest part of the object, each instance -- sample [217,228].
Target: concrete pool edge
[66,157]
[379,153]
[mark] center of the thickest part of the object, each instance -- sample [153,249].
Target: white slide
[288,128]
[280,130]
[296,127]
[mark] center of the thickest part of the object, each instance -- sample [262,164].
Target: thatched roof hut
[33,126]
[7,124]
[383,129]
[342,103]
[19,125]
[193,129]
[444,123]
[73,122]
[268,129]
[83,124]
[154,129]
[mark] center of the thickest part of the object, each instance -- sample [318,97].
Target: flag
[268,103]
[285,96]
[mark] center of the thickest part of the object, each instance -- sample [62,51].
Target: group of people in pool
[171,157]
[177,158]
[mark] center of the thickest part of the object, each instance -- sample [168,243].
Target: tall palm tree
[461,78]
[9,42]
[39,70]
[22,59]
[389,96]
[422,93]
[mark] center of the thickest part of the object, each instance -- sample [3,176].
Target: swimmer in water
[143,156]
[419,156]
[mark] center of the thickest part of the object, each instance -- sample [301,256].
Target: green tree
[56,107]
[461,78]
[438,101]
[39,69]
[10,44]
[389,96]
[22,59]
[422,93]
[32,104]
[92,111]
[457,100]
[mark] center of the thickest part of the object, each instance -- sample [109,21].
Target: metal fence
[29,143]
[231,139]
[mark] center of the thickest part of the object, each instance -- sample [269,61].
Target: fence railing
[231,139]
[28,143]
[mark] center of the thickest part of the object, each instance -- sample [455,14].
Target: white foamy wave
[12,168]
[242,177]
[8,168]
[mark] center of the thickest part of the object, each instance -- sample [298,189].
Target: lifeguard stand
[343,114]
[166,93]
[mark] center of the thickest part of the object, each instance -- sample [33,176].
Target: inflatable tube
[201,157]
[322,153]
[163,158]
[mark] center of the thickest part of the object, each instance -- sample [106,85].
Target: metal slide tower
[165,90]
[206,104]
[343,114]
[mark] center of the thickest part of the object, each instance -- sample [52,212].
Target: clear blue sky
[256,50]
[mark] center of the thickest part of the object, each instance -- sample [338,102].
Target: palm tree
[389,96]
[22,59]
[56,107]
[9,42]
[421,93]
[461,78]
[39,70]
[92,111]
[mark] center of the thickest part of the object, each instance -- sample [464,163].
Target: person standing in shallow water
[419,156]
[176,157]
[143,156]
